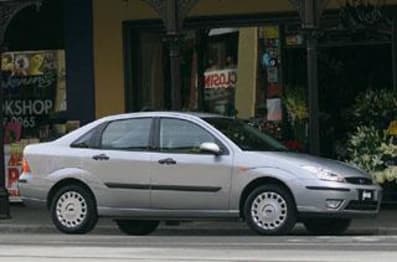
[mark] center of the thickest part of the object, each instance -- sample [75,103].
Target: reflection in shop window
[221,72]
[212,55]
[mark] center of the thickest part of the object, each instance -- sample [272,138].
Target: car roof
[163,114]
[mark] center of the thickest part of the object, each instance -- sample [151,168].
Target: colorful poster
[34,89]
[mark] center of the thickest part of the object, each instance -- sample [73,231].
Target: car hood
[282,159]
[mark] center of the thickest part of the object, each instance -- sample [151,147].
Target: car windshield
[243,135]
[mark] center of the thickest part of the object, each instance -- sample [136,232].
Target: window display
[221,71]
[34,89]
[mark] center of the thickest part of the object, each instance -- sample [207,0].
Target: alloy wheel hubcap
[269,210]
[71,209]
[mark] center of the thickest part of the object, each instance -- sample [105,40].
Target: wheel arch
[260,182]
[66,182]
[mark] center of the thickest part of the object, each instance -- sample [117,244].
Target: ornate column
[310,12]
[8,9]
[173,14]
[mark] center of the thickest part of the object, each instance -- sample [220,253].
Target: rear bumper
[32,194]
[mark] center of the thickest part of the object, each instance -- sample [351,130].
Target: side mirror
[210,148]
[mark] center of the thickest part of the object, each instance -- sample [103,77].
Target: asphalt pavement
[58,247]
[30,236]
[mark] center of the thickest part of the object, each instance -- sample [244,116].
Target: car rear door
[122,162]
[183,177]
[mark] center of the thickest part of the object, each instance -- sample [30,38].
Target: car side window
[180,136]
[89,139]
[129,134]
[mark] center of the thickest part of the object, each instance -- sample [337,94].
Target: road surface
[96,247]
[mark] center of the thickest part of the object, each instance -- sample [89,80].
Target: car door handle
[167,161]
[101,157]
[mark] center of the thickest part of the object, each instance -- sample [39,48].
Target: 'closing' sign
[226,78]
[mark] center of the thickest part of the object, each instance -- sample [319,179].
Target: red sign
[221,78]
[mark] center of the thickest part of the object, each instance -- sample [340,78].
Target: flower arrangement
[371,146]
[294,145]
[373,151]
[364,148]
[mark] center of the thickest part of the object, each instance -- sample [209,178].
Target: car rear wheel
[137,227]
[73,210]
[270,210]
[327,226]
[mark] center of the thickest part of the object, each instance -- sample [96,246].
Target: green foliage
[295,101]
[374,108]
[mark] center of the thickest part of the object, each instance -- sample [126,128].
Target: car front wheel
[73,210]
[270,210]
[327,226]
[137,227]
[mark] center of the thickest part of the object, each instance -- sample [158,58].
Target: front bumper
[313,201]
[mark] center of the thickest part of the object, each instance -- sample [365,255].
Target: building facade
[229,57]
[242,57]
[290,67]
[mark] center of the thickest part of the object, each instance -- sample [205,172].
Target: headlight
[324,174]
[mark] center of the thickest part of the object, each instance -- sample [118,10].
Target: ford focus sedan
[144,168]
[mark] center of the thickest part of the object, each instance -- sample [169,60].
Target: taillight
[25,166]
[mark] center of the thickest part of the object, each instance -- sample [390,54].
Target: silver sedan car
[143,168]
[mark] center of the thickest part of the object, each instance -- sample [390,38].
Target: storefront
[238,59]
[244,58]
[44,94]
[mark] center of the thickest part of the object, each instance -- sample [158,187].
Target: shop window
[149,78]
[210,70]
[221,71]
[269,114]
[34,89]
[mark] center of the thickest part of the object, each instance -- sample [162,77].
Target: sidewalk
[32,220]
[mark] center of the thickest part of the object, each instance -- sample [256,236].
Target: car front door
[184,178]
[122,162]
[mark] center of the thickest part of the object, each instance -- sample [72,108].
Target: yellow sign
[271,32]
[392,130]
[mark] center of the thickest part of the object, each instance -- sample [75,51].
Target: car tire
[137,227]
[73,210]
[327,226]
[270,210]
